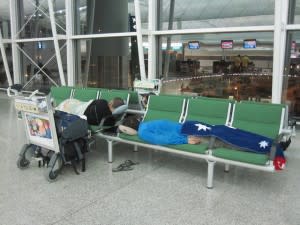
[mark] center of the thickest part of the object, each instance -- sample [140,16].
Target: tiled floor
[162,189]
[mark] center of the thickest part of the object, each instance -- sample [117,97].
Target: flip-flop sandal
[130,163]
[122,167]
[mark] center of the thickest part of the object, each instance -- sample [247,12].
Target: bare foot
[193,140]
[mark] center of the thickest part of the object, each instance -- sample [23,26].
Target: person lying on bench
[160,132]
[165,132]
[93,110]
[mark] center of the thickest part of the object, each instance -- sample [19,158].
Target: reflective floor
[162,189]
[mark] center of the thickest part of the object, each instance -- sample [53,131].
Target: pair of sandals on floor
[126,166]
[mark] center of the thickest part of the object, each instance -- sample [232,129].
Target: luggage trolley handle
[14,90]
[33,94]
[33,103]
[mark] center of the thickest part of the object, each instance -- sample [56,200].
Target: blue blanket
[165,132]
[233,136]
[162,132]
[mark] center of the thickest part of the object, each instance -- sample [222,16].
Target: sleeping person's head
[115,103]
[130,125]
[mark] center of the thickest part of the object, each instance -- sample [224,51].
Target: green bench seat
[263,119]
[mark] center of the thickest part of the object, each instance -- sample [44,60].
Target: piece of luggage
[74,151]
[72,133]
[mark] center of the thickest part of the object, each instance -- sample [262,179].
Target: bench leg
[294,131]
[110,151]
[210,174]
[135,148]
[226,169]
[91,142]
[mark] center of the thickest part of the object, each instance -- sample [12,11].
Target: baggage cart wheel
[22,163]
[26,153]
[52,175]
[54,167]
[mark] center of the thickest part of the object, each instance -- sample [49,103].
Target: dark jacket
[96,111]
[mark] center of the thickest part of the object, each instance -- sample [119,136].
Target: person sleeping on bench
[158,132]
[94,110]
[165,132]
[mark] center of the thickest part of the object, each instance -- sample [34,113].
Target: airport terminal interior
[238,50]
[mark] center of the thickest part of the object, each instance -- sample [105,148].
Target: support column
[56,44]
[169,38]
[152,39]
[140,39]
[280,15]
[14,25]
[109,54]
[90,25]
[70,43]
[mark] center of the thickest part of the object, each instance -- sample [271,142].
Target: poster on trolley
[38,130]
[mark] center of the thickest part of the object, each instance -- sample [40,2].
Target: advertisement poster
[38,128]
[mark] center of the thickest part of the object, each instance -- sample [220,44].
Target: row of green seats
[263,119]
[62,93]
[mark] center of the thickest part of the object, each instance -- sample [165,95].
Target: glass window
[144,12]
[291,81]
[36,22]
[99,17]
[191,14]
[60,16]
[294,12]
[235,65]
[107,62]
[3,77]
[5,19]
[39,62]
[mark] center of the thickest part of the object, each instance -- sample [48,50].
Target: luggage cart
[144,88]
[41,137]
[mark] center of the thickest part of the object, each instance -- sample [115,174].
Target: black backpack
[72,133]
[74,152]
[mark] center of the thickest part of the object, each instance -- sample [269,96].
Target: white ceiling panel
[214,9]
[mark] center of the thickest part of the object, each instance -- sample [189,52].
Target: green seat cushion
[263,119]
[208,110]
[110,95]
[134,98]
[59,94]
[94,128]
[156,115]
[85,95]
[241,156]
[164,107]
